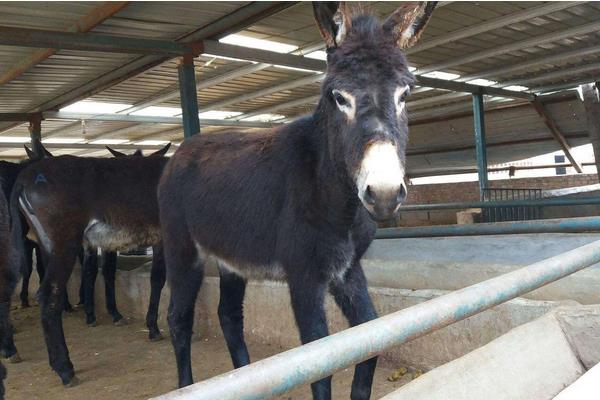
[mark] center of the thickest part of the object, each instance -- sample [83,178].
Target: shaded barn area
[504,136]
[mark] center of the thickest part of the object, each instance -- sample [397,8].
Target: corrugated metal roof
[486,54]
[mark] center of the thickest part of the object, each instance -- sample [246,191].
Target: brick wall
[469,191]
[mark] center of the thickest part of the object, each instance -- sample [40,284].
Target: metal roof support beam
[276,107]
[495,23]
[474,89]
[188,96]
[61,115]
[24,37]
[526,65]
[590,94]
[515,46]
[95,17]
[549,122]
[237,20]
[480,145]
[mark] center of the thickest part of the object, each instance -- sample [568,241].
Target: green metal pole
[188,96]
[35,130]
[562,225]
[480,143]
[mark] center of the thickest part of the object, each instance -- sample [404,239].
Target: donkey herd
[296,203]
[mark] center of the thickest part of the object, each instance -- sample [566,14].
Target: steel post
[188,96]
[311,362]
[480,145]
[35,129]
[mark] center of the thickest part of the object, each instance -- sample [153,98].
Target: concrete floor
[119,363]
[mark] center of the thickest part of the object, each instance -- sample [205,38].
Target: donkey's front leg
[231,316]
[307,295]
[352,297]
[90,272]
[157,282]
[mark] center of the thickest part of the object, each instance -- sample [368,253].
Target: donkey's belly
[108,237]
[272,272]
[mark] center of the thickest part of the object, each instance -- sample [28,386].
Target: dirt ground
[120,363]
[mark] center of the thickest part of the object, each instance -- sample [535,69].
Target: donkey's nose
[383,201]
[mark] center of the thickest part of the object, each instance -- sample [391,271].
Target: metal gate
[521,213]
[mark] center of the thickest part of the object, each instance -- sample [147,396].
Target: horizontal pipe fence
[510,203]
[560,225]
[321,358]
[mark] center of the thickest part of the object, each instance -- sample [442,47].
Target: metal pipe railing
[512,203]
[560,225]
[316,360]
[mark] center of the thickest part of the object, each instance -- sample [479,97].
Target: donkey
[8,279]
[89,261]
[298,202]
[109,203]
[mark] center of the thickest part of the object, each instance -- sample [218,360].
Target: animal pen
[495,83]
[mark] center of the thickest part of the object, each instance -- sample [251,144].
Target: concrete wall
[469,191]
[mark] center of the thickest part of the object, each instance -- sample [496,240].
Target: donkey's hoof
[14,359]
[92,324]
[74,381]
[120,322]
[156,337]
[25,304]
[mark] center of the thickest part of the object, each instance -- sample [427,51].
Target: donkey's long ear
[115,152]
[30,153]
[162,151]
[333,20]
[138,153]
[407,23]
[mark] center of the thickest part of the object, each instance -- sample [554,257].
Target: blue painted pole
[552,202]
[188,96]
[480,142]
[562,225]
[311,362]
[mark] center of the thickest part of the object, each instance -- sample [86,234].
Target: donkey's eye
[403,96]
[339,98]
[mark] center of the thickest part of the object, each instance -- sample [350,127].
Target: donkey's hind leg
[157,282]
[231,316]
[184,273]
[27,270]
[109,270]
[52,290]
[352,297]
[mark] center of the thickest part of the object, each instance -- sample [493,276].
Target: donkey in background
[109,203]
[298,202]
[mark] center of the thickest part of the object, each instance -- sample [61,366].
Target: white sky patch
[110,141]
[482,82]
[447,76]
[14,139]
[152,142]
[411,69]
[59,140]
[264,117]
[516,88]
[95,107]
[317,55]
[156,111]
[217,114]
[263,44]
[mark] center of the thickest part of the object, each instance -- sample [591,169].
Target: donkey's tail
[17,242]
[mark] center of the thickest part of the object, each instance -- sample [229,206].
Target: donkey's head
[363,97]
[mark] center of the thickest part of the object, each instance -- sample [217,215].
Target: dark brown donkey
[101,202]
[297,203]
